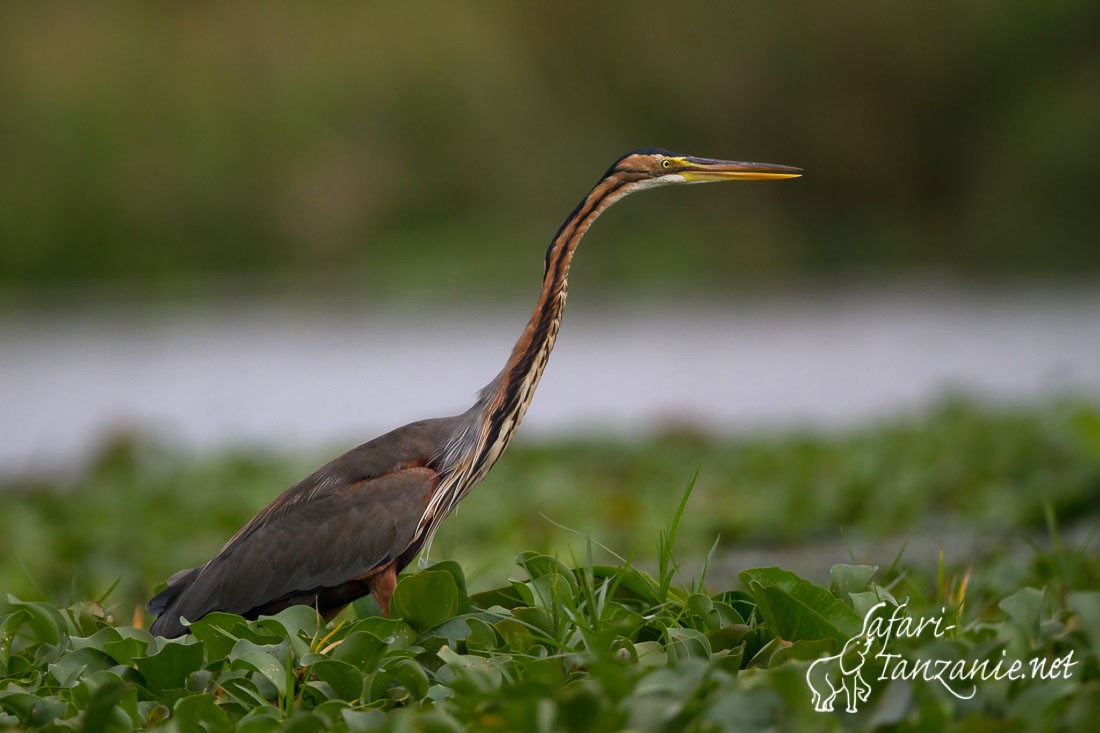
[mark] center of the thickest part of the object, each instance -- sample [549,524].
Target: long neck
[504,401]
[488,426]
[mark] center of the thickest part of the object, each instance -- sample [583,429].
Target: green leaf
[468,673]
[701,607]
[1025,608]
[518,637]
[505,597]
[537,620]
[630,579]
[687,643]
[345,679]
[19,702]
[483,635]
[538,565]
[168,669]
[218,632]
[727,637]
[411,676]
[262,659]
[846,579]
[552,592]
[82,661]
[125,651]
[292,624]
[200,712]
[651,654]
[46,621]
[452,567]
[426,599]
[361,721]
[795,609]
[393,631]
[106,707]
[1086,606]
[807,650]
[360,649]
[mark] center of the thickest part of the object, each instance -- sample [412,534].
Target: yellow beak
[706,169]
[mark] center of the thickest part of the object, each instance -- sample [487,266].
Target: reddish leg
[381,587]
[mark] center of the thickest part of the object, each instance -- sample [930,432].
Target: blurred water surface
[299,378]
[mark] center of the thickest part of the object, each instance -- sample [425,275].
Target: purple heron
[347,529]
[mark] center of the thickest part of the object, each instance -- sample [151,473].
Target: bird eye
[666,163]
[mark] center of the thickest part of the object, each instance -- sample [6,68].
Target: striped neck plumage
[488,426]
[504,401]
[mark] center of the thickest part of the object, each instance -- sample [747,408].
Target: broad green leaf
[426,599]
[292,624]
[807,650]
[9,624]
[730,659]
[267,660]
[754,709]
[112,705]
[701,608]
[45,620]
[345,679]
[332,711]
[361,721]
[505,597]
[201,680]
[122,644]
[1025,607]
[846,579]
[82,661]
[629,579]
[651,654]
[468,673]
[623,621]
[200,713]
[862,603]
[727,614]
[400,680]
[451,631]
[393,631]
[169,668]
[518,636]
[483,635]
[537,620]
[239,683]
[218,632]
[126,650]
[548,671]
[687,643]
[96,640]
[552,592]
[538,565]
[796,609]
[727,637]
[269,723]
[411,676]
[19,703]
[762,658]
[452,567]
[262,719]
[360,649]
[1086,605]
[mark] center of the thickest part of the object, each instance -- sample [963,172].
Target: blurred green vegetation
[143,510]
[425,148]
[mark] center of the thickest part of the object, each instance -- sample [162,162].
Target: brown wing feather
[311,544]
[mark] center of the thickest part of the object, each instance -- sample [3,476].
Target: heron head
[655,167]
